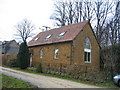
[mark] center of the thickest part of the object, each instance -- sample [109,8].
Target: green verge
[10,82]
[102,85]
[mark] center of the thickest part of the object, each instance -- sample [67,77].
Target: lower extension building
[66,49]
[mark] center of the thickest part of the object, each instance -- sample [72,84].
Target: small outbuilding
[10,47]
[8,50]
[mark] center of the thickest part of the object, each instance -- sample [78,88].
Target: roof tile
[71,32]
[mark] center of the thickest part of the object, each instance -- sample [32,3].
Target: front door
[30,60]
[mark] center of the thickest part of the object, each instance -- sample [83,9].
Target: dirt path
[43,81]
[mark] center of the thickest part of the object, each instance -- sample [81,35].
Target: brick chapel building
[68,48]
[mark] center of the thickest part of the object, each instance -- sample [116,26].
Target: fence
[6,57]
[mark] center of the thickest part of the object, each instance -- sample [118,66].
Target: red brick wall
[6,57]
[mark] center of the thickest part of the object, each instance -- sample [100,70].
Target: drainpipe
[71,53]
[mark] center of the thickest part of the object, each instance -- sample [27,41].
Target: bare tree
[88,10]
[84,11]
[117,18]
[60,13]
[78,11]
[102,9]
[67,12]
[111,32]
[70,12]
[24,29]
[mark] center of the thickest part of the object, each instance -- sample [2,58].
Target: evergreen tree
[23,56]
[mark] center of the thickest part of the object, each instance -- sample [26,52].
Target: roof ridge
[71,32]
[67,25]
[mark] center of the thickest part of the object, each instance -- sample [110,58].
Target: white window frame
[41,53]
[48,37]
[36,38]
[61,34]
[56,53]
[86,50]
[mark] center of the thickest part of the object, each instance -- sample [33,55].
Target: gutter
[50,43]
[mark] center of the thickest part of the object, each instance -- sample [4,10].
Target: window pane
[36,38]
[85,56]
[48,37]
[87,50]
[41,53]
[88,57]
[87,43]
[62,34]
[56,54]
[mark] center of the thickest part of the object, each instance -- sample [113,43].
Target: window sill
[87,62]
[56,58]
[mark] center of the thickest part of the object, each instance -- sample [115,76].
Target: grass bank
[103,85]
[10,82]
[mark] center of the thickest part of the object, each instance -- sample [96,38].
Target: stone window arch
[87,51]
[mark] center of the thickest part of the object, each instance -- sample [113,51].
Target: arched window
[41,53]
[56,53]
[87,51]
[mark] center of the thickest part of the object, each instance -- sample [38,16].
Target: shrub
[39,68]
[57,73]
[52,72]
[110,58]
[62,74]
[44,70]
[65,75]
[48,71]
[31,69]
[76,76]
[12,62]
[23,56]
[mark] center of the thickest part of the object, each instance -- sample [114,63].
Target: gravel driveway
[43,81]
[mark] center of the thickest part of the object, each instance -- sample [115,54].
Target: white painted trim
[87,59]
[87,50]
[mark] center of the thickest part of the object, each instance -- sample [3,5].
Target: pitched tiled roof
[71,31]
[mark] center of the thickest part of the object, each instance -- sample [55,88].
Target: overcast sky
[13,11]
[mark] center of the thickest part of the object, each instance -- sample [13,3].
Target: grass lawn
[10,82]
[103,85]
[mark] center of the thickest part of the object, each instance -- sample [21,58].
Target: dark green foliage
[12,62]
[93,77]
[23,56]
[110,59]
[39,68]
[116,56]
[36,68]
[33,69]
